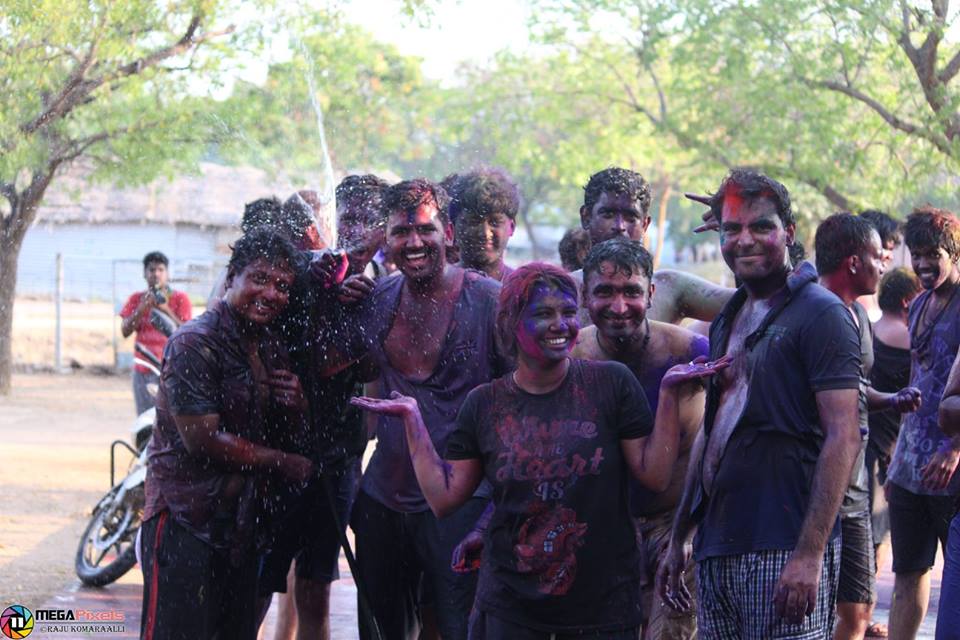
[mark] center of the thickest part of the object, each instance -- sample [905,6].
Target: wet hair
[155,256]
[627,256]
[484,191]
[838,237]
[517,291]
[888,228]
[263,212]
[365,193]
[897,287]
[931,227]
[573,248]
[406,196]
[266,243]
[296,215]
[617,181]
[750,185]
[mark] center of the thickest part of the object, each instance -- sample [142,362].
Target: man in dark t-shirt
[780,432]
[430,332]
[226,395]
[850,263]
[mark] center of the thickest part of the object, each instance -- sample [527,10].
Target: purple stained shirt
[469,357]
[931,355]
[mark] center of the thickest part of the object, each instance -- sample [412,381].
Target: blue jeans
[948,613]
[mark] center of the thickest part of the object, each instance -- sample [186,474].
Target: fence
[78,325]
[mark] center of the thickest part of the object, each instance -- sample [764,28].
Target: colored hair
[517,291]
[406,196]
[266,243]
[931,227]
[363,194]
[750,185]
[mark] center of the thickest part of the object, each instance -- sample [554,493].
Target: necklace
[643,346]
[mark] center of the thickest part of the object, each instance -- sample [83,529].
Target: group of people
[550,441]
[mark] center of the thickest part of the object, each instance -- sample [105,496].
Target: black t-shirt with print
[560,552]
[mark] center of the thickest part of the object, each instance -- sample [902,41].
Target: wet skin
[259,293]
[614,215]
[416,241]
[547,328]
[483,240]
[359,234]
[618,303]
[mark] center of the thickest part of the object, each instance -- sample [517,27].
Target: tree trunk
[13,229]
[525,218]
[665,194]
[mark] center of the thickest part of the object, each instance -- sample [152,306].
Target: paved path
[124,596]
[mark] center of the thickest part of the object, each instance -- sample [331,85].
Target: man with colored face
[780,435]
[618,293]
[616,203]
[227,393]
[139,315]
[430,331]
[922,483]
[483,206]
[850,261]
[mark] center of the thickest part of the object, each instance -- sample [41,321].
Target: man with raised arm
[780,435]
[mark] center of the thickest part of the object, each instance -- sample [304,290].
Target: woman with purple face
[556,440]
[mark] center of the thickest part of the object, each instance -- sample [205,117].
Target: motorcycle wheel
[107,547]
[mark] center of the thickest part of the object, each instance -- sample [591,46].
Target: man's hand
[795,596]
[147,301]
[355,289]
[709,222]
[397,405]
[907,400]
[937,473]
[669,580]
[296,468]
[329,267]
[466,555]
[285,389]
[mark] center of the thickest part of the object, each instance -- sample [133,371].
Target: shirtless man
[768,549]
[431,333]
[616,203]
[617,293]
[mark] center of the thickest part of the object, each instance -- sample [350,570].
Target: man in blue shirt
[780,435]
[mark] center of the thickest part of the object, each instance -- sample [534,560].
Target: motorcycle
[108,545]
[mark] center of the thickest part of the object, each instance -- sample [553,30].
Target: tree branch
[76,88]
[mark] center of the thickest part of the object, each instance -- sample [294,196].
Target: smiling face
[259,293]
[483,238]
[612,215]
[617,301]
[416,241]
[932,264]
[547,327]
[753,239]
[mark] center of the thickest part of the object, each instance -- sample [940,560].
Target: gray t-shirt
[470,356]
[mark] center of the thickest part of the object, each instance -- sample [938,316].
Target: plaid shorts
[736,597]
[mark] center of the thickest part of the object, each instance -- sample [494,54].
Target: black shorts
[191,590]
[484,626]
[917,524]
[309,535]
[857,562]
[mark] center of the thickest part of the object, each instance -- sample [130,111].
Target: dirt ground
[56,435]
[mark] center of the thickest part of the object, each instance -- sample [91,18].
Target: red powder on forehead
[734,198]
